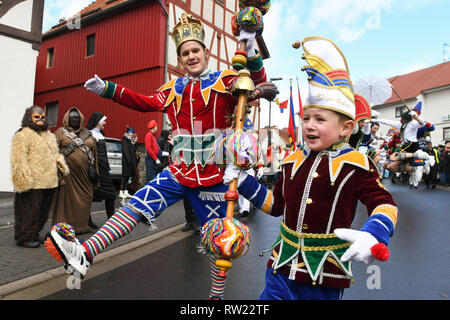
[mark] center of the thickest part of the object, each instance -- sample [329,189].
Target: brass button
[194,118]
[305,227]
[309,201]
[315,175]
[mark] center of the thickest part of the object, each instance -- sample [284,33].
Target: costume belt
[194,148]
[314,248]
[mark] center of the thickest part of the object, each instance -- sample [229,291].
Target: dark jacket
[129,158]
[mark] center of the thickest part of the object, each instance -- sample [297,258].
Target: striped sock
[121,223]
[217,281]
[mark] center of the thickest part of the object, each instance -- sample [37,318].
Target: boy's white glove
[361,243]
[95,85]
[249,37]
[234,172]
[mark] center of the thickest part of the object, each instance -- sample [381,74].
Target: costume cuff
[255,63]
[380,226]
[110,89]
[256,193]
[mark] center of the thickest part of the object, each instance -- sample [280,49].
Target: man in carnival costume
[409,125]
[311,257]
[199,106]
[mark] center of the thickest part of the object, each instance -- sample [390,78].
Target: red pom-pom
[380,251]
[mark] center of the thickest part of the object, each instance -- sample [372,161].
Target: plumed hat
[362,108]
[330,86]
[418,108]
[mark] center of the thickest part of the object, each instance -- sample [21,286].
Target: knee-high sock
[121,223]
[217,281]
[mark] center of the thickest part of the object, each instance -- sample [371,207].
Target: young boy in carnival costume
[199,106]
[311,259]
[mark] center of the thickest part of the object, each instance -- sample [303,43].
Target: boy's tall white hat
[330,86]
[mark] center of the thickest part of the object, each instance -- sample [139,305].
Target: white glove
[260,173]
[165,154]
[361,242]
[95,85]
[157,161]
[413,113]
[249,37]
[234,172]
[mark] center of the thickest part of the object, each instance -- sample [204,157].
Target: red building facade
[124,41]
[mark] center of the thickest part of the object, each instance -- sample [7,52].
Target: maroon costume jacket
[318,192]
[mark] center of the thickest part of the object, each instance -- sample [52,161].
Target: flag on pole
[292,128]
[299,102]
[282,105]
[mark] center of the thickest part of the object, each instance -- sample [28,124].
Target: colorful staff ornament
[240,148]
[262,5]
[226,237]
[249,19]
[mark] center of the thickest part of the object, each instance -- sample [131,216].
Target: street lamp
[269,142]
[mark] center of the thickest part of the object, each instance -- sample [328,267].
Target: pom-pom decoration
[240,148]
[262,5]
[380,251]
[226,237]
[249,19]
[66,231]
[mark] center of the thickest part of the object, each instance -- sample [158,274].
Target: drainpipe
[164,126]
[167,38]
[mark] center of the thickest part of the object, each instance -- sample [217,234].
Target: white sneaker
[71,253]
[126,194]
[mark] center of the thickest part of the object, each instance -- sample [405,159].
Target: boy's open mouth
[312,137]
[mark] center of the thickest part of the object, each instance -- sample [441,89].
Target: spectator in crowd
[73,199]
[106,191]
[129,161]
[446,162]
[152,161]
[165,144]
[431,178]
[35,161]
[441,164]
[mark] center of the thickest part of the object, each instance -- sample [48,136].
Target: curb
[39,278]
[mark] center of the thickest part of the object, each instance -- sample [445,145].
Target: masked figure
[73,199]
[35,161]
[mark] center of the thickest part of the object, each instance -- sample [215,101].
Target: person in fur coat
[35,161]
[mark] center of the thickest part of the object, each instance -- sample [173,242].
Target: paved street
[173,269]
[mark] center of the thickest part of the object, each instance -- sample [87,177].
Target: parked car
[114,151]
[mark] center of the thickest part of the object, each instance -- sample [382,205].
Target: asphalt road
[418,268]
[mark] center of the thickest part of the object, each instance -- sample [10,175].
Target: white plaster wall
[17,76]
[19,16]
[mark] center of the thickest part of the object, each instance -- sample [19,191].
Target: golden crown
[188,28]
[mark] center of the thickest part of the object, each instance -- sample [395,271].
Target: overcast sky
[381,38]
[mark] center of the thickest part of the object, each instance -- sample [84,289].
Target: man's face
[375,128]
[38,118]
[193,57]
